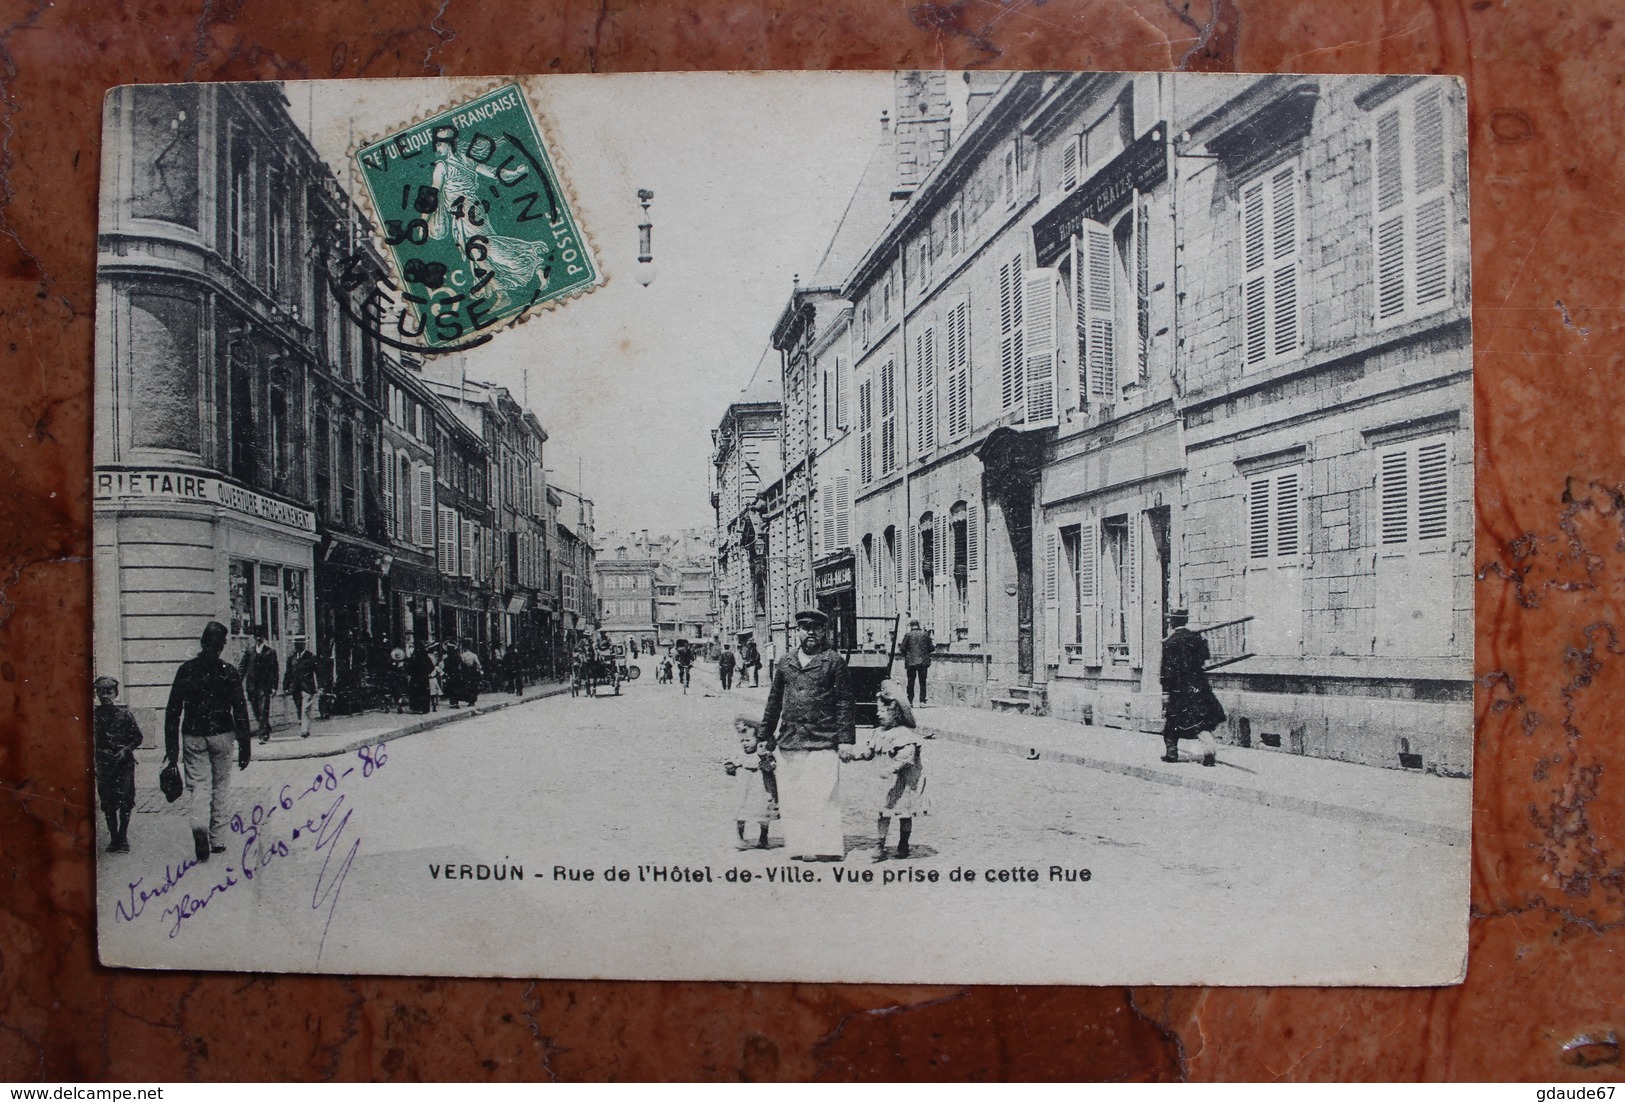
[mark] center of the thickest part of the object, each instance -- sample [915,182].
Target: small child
[117,735]
[896,747]
[759,795]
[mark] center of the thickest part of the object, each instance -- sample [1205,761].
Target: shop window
[240,597]
[293,604]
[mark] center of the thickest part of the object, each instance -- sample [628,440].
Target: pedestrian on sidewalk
[685,662]
[1192,711]
[809,708]
[259,669]
[895,747]
[917,648]
[299,681]
[725,667]
[419,678]
[752,659]
[206,713]
[117,736]
[754,771]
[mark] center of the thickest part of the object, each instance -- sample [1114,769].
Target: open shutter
[1040,292]
[839,382]
[925,356]
[1070,161]
[1284,326]
[826,517]
[1255,346]
[866,432]
[1432,260]
[913,553]
[1052,594]
[843,510]
[425,506]
[1010,335]
[1097,321]
[468,549]
[1134,605]
[389,494]
[1089,591]
[976,612]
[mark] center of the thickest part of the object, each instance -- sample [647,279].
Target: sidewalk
[346,734]
[1416,805]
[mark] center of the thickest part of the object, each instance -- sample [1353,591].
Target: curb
[1427,832]
[410,729]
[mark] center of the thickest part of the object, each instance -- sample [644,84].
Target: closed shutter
[1040,292]
[1432,491]
[1089,591]
[1134,604]
[467,561]
[1052,595]
[1070,161]
[1395,496]
[1275,516]
[425,506]
[1095,277]
[866,433]
[976,613]
[925,356]
[958,381]
[1011,359]
[1414,495]
[1269,282]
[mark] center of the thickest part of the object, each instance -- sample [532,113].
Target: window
[1415,605]
[1041,294]
[425,503]
[1008,177]
[924,266]
[958,373]
[1410,190]
[888,290]
[1269,276]
[956,221]
[1010,337]
[1071,162]
[888,417]
[1120,609]
[281,453]
[446,557]
[1415,494]
[274,236]
[958,549]
[349,500]
[240,200]
[1275,515]
[470,541]
[388,485]
[894,560]
[1112,295]
[925,394]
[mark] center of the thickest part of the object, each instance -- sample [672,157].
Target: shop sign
[1140,167]
[158,484]
[836,578]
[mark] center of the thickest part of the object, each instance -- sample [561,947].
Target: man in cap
[208,711]
[259,670]
[916,647]
[809,708]
[117,736]
[299,681]
[1192,711]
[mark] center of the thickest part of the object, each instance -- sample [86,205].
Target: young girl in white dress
[895,748]
[753,773]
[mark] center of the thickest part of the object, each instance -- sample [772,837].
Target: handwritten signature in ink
[264,846]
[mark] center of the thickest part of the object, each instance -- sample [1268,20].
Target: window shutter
[925,354]
[1394,496]
[843,510]
[840,392]
[826,517]
[1432,491]
[1288,509]
[1069,163]
[1009,177]
[1284,260]
[468,549]
[1254,280]
[389,494]
[888,417]
[958,370]
[1040,289]
[866,435]
[1010,335]
[975,612]
[425,506]
[1388,175]
[1052,618]
[1089,591]
[1258,519]
[914,552]
[1097,321]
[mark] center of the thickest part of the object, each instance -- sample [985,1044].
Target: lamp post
[646,260]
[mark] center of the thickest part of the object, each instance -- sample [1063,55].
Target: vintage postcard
[990,527]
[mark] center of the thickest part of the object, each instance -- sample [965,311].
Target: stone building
[744,461]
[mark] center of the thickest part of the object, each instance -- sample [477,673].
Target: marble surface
[1541,1000]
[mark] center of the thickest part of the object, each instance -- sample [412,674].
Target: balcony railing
[1226,642]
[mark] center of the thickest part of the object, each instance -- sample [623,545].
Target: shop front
[176,549]
[414,604]
[834,586]
[352,620]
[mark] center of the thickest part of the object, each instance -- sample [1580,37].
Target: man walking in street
[259,669]
[917,648]
[685,662]
[1191,709]
[809,706]
[299,682]
[725,667]
[208,712]
[753,663]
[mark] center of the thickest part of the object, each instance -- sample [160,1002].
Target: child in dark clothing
[117,735]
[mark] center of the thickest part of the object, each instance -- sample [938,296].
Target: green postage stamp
[475,218]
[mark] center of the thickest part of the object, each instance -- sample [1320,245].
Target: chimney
[984,85]
[922,124]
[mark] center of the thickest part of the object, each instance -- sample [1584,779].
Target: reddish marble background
[1543,991]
